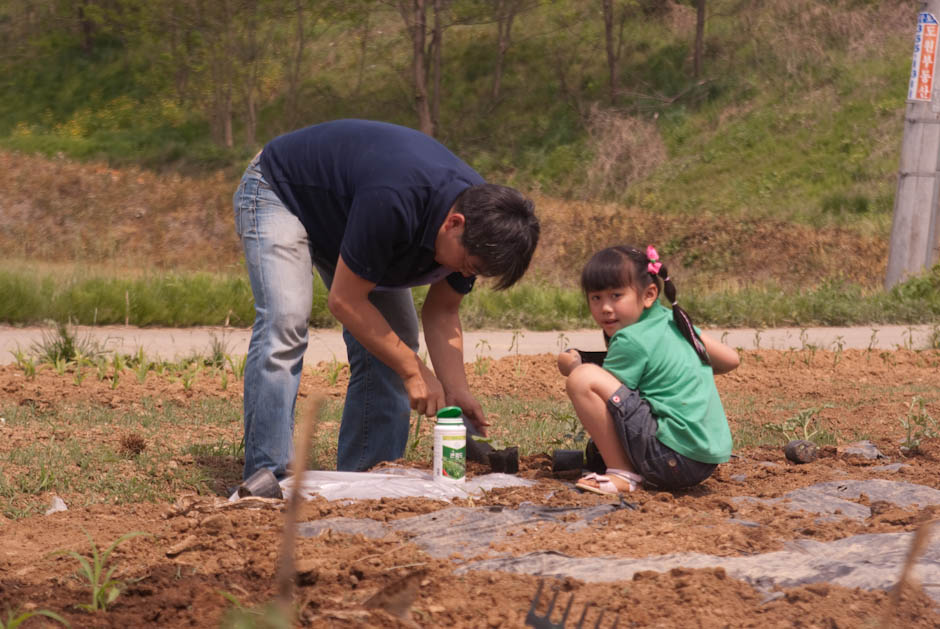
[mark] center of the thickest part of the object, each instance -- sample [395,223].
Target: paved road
[326,345]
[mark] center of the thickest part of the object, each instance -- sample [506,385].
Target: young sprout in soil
[333,369]
[804,425]
[188,375]
[13,620]
[838,344]
[141,365]
[24,362]
[238,365]
[482,363]
[562,342]
[239,616]
[918,425]
[104,589]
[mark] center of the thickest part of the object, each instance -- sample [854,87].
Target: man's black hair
[500,229]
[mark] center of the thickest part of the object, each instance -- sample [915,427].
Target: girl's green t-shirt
[653,358]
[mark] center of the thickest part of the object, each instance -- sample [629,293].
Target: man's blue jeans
[280,266]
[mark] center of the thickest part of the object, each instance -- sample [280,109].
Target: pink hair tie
[654,264]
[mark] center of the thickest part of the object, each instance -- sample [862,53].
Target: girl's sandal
[605,486]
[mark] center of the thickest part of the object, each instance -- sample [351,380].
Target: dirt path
[327,344]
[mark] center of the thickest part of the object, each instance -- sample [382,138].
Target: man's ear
[454,220]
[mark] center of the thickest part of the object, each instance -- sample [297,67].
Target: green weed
[268,616]
[188,375]
[14,620]
[804,425]
[24,363]
[238,365]
[333,369]
[98,574]
[918,424]
[64,344]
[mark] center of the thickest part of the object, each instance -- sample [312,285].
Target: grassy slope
[776,171]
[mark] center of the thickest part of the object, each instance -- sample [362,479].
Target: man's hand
[425,392]
[471,410]
[568,360]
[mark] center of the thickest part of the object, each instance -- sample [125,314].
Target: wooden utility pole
[914,231]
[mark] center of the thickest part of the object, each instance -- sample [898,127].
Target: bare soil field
[201,546]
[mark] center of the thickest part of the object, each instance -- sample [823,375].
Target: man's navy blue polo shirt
[375,192]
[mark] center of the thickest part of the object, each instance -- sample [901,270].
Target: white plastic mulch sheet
[395,483]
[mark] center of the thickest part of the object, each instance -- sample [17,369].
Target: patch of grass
[90,453]
[178,299]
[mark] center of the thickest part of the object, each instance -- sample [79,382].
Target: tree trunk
[86,26]
[614,45]
[699,37]
[437,45]
[505,14]
[415,18]
[293,73]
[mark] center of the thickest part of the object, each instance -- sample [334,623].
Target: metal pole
[914,230]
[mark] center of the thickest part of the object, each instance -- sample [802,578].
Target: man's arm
[349,302]
[443,335]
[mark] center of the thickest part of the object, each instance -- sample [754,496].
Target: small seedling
[141,365]
[333,369]
[188,375]
[804,425]
[238,365]
[562,341]
[872,340]
[810,353]
[918,424]
[14,620]
[838,344]
[61,365]
[217,352]
[269,616]
[104,589]
[25,363]
[102,367]
[416,440]
[482,363]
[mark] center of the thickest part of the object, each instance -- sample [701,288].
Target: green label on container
[453,462]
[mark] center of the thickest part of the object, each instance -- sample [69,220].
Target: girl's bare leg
[589,386]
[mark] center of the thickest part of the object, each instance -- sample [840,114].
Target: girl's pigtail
[683,322]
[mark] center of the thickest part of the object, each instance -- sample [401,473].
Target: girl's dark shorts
[659,464]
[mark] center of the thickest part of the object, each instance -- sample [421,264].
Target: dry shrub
[797,36]
[60,210]
[703,250]
[625,149]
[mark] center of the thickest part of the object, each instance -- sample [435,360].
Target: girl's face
[617,308]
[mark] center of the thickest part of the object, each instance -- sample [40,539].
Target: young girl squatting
[652,409]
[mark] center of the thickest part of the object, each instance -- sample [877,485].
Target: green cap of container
[450,411]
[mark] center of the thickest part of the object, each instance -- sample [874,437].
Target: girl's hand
[568,360]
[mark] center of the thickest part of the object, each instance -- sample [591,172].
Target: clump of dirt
[203,546]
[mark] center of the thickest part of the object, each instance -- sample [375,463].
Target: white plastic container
[450,446]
